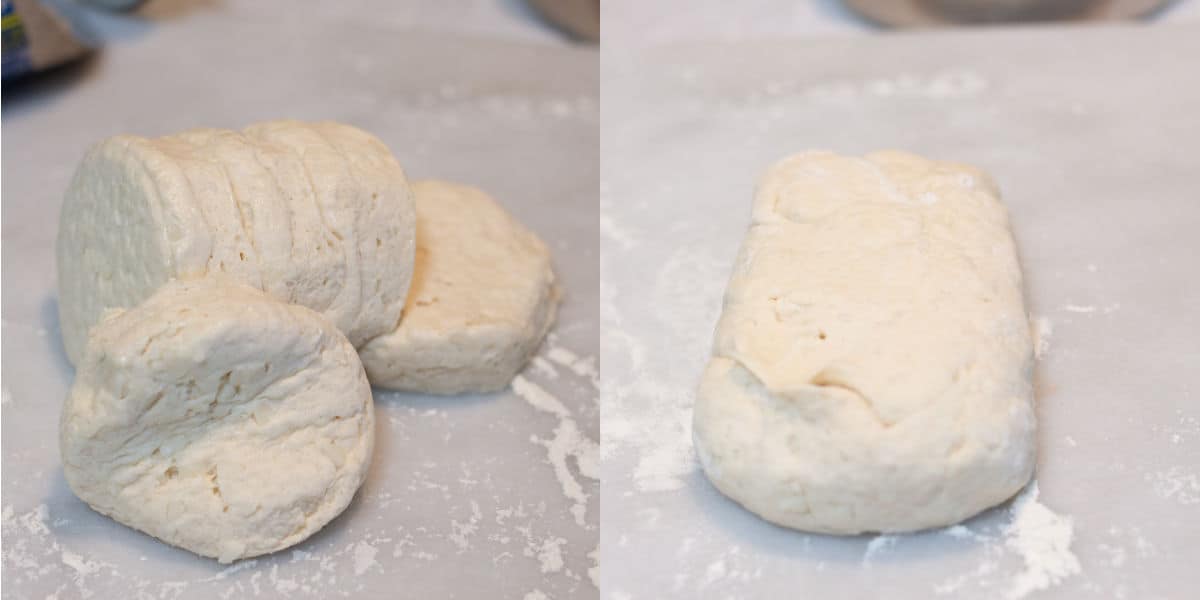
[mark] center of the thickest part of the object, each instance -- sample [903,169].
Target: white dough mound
[483,296]
[317,214]
[872,365]
[218,420]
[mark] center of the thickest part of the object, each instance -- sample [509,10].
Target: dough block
[872,366]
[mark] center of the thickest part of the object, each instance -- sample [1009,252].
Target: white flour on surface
[364,558]
[1175,484]
[1042,539]
[878,544]
[1042,329]
[945,84]
[568,444]
[1035,538]
[648,411]
[1186,429]
[550,555]
[1089,309]
[583,367]
[594,569]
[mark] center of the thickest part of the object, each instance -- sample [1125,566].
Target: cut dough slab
[317,214]
[218,419]
[872,365]
[483,296]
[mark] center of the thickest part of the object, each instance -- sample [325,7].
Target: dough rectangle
[872,365]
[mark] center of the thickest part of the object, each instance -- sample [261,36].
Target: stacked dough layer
[872,366]
[218,420]
[483,297]
[316,214]
[213,286]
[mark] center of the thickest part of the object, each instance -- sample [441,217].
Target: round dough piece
[483,296]
[317,214]
[218,419]
[872,368]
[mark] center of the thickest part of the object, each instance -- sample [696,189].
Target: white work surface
[1092,134]
[489,496]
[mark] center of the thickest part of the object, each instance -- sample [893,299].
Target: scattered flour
[878,544]
[948,84]
[646,400]
[364,557]
[1035,536]
[1092,309]
[594,570]
[610,230]
[962,532]
[1042,539]
[538,397]
[1175,484]
[583,367]
[543,368]
[715,571]
[1188,427]
[1042,329]
[550,555]
[568,442]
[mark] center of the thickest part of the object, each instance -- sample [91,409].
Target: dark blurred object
[935,13]
[38,36]
[115,5]
[580,18]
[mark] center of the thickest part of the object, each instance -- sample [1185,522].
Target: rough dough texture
[483,296]
[317,214]
[218,420]
[872,365]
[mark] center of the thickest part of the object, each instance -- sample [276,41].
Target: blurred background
[65,29]
[664,22]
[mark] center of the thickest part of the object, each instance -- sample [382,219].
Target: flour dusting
[1035,537]
[538,397]
[877,545]
[1042,539]
[1175,484]
[1042,330]
[550,555]
[567,443]
[364,557]
[584,367]
[594,570]
[648,411]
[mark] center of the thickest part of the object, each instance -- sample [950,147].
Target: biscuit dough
[483,296]
[872,366]
[317,214]
[218,419]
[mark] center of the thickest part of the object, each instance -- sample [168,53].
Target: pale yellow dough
[218,419]
[483,297]
[872,368]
